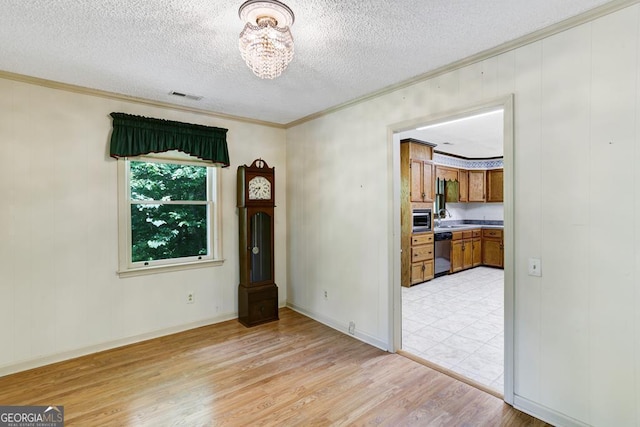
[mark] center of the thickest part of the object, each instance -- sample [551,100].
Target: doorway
[438,320]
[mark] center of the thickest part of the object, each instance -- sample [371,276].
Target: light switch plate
[535,269]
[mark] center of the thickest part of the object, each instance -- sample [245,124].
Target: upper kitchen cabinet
[418,155]
[477,180]
[495,184]
[447,185]
[463,179]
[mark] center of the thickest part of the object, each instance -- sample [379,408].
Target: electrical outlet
[352,328]
[326,295]
[535,268]
[191,297]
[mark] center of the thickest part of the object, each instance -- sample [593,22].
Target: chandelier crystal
[266,43]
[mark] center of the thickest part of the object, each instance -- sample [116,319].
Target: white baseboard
[341,327]
[72,354]
[545,414]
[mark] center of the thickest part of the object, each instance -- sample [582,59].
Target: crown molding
[119,97]
[541,34]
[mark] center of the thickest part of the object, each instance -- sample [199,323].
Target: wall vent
[185,95]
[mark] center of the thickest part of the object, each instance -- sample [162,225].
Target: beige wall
[59,292]
[577,205]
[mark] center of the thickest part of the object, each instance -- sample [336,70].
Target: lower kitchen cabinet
[421,271]
[457,255]
[477,248]
[492,248]
[422,268]
[465,250]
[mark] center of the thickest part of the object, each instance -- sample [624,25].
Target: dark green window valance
[137,135]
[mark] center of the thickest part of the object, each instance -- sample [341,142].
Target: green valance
[137,135]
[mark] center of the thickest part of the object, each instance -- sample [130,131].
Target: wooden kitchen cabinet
[493,248]
[421,272]
[477,186]
[417,189]
[422,262]
[465,250]
[416,167]
[446,173]
[476,243]
[422,187]
[457,254]
[495,185]
[463,180]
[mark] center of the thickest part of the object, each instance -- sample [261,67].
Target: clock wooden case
[257,291]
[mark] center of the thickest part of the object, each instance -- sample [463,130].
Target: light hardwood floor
[293,372]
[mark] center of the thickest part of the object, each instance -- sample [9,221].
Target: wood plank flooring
[293,372]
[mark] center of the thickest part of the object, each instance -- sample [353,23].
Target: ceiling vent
[185,95]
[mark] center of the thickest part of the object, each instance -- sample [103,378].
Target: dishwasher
[442,253]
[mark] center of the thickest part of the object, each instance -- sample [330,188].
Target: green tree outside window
[169,211]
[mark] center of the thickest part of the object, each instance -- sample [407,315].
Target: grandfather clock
[257,292]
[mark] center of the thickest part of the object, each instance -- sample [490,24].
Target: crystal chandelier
[266,44]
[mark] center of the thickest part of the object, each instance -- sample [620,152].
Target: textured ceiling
[344,49]
[475,136]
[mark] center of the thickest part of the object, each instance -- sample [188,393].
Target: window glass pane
[165,181]
[168,231]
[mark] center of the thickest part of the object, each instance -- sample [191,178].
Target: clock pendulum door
[257,291]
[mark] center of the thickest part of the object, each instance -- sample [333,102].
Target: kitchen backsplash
[478,211]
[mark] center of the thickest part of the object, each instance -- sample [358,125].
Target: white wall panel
[635,269]
[471,80]
[490,78]
[506,73]
[528,196]
[612,285]
[7,291]
[565,168]
[572,90]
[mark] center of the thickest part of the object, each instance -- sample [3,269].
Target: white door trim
[395,295]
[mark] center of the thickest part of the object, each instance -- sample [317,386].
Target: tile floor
[456,321]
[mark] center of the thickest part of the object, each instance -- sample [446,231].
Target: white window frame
[126,267]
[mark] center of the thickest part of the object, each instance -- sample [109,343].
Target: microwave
[421,220]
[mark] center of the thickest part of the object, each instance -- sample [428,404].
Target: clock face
[259,188]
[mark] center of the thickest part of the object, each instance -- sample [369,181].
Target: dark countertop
[459,226]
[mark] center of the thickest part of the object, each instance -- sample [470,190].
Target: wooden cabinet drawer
[421,239]
[456,235]
[421,253]
[477,233]
[467,234]
[492,233]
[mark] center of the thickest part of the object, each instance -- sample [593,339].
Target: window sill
[143,271]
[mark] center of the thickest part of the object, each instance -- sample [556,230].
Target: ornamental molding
[456,162]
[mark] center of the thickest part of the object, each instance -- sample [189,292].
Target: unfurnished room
[293,213]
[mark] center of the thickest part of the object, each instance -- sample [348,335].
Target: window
[168,215]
